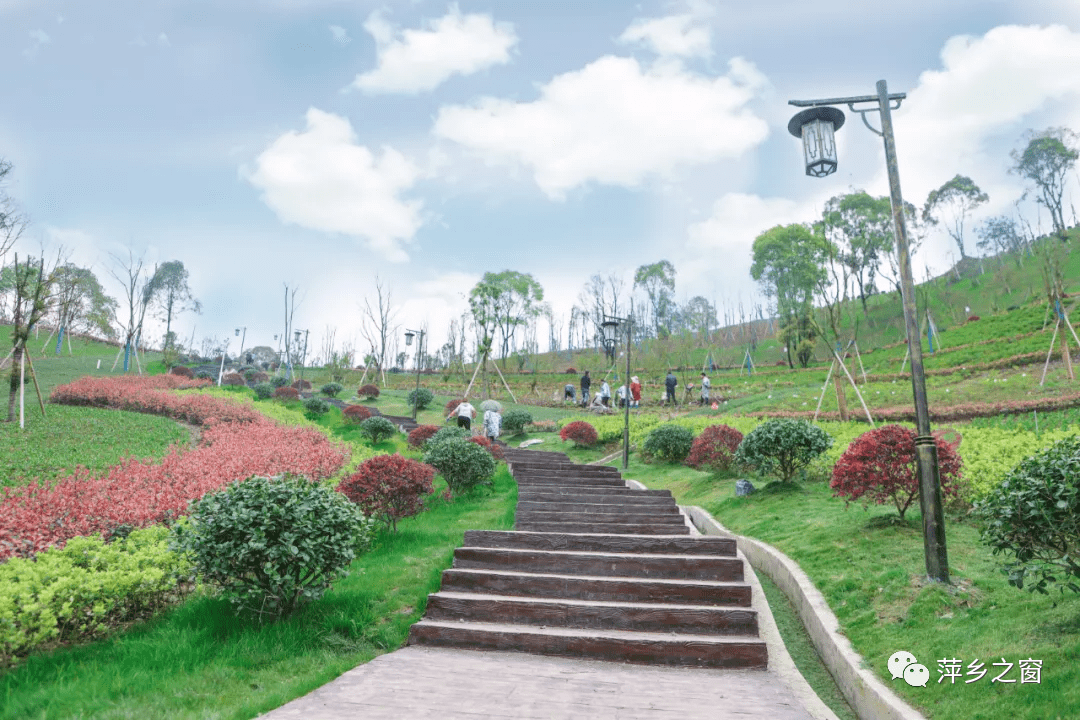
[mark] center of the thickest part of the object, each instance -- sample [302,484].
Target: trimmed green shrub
[669,442]
[279,381]
[377,429]
[782,447]
[331,389]
[463,464]
[315,407]
[514,421]
[204,375]
[420,397]
[263,390]
[449,432]
[250,374]
[1033,519]
[272,544]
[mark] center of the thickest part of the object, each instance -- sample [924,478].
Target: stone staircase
[597,570]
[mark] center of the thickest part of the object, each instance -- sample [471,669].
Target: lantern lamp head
[609,327]
[237,332]
[408,338]
[816,126]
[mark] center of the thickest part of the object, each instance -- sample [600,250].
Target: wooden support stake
[857,393]
[505,384]
[859,356]
[466,395]
[51,332]
[22,388]
[1050,352]
[824,389]
[33,376]
[1066,357]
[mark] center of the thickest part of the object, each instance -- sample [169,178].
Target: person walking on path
[605,393]
[492,424]
[586,382]
[705,386]
[635,391]
[464,412]
[670,383]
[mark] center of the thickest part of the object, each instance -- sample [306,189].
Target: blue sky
[321,143]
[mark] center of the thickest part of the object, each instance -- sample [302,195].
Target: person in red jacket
[635,391]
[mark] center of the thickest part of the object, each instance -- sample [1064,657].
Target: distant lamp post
[221,370]
[610,328]
[303,355]
[820,158]
[409,335]
[242,339]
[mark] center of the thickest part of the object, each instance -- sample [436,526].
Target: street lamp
[815,126]
[303,355]
[242,339]
[610,327]
[221,370]
[409,334]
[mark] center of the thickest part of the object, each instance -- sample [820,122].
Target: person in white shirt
[705,385]
[605,393]
[464,412]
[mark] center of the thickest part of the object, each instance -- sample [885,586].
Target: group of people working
[602,398]
[465,412]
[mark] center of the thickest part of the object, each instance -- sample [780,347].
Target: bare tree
[138,293]
[378,325]
[12,221]
[33,295]
[290,311]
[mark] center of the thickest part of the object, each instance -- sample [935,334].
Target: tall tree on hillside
[788,264]
[917,230]
[173,295]
[999,235]
[139,292]
[951,204]
[699,316]
[600,297]
[32,297]
[860,229]
[658,282]
[81,303]
[1045,161]
[484,312]
[378,324]
[517,299]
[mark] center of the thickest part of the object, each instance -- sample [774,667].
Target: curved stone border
[868,696]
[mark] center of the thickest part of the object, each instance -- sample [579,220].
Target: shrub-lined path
[612,605]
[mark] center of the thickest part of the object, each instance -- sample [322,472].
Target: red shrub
[571,371]
[259,377]
[146,394]
[451,406]
[714,448]
[286,393]
[368,391]
[233,379]
[389,487]
[421,435]
[581,432]
[356,413]
[301,385]
[493,448]
[181,371]
[879,466]
[973,318]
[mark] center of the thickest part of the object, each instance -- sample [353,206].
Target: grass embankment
[869,566]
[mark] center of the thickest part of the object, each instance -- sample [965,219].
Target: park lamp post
[221,370]
[816,126]
[409,334]
[303,355]
[610,326]
[242,339]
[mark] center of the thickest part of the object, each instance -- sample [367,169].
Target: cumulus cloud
[163,40]
[340,35]
[322,179]
[39,38]
[674,35]
[415,61]
[612,122]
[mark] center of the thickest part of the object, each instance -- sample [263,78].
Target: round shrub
[263,390]
[315,407]
[782,447]
[279,381]
[420,397]
[286,393]
[491,405]
[331,389]
[419,437]
[389,487]
[463,465]
[582,433]
[355,413]
[272,544]
[377,429]
[714,448]
[669,442]
[259,377]
[1033,519]
[234,379]
[302,385]
[571,371]
[184,372]
[448,432]
[494,448]
[451,406]
[250,374]
[368,392]
[204,375]
[880,467]
[515,421]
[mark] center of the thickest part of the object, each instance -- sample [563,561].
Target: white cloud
[163,40]
[613,122]
[40,38]
[340,34]
[674,35]
[421,60]
[322,179]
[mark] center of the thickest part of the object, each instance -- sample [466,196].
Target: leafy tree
[507,300]
[999,235]
[1045,161]
[81,302]
[860,227]
[33,289]
[658,282]
[172,293]
[789,263]
[952,203]
[699,315]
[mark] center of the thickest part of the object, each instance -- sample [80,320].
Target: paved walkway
[451,684]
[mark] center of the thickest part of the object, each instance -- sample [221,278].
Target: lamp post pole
[242,339]
[419,357]
[934,547]
[626,399]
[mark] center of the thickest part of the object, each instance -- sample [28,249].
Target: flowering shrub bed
[147,395]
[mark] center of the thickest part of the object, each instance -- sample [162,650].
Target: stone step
[589,587]
[564,469]
[571,562]
[643,545]
[615,645]
[630,497]
[597,491]
[613,507]
[604,615]
[623,517]
[524,455]
[579,481]
[627,529]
